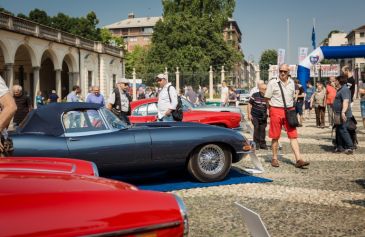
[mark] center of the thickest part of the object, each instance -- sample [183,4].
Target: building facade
[40,58]
[134,31]
[357,37]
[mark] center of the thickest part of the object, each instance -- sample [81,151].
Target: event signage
[302,54]
[327,70]
[281,56]
[314,59]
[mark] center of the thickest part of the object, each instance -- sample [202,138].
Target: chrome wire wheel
[211,159]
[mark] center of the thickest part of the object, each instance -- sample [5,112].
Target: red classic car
[45,164]
[146,111]
[49,198]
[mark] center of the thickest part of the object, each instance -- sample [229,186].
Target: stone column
[36,83]
[9,74]
[177,80]
[70,81]
[76,79]
[58,83]
[222,75]
[134,85]
[211,83]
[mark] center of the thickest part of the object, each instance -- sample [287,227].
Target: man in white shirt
[8,109]
[224,94]
[167,99]
[278,118]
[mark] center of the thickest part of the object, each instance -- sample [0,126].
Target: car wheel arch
[224,146]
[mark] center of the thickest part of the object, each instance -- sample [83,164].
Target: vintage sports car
[93,133]
[146,110]
[40,199]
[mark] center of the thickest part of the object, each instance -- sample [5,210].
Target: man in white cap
[8,109]
[119,100]
[167,99]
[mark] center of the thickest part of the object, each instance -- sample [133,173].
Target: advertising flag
[302,54]
[313,38]
[281,56]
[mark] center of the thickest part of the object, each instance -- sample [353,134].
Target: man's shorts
[307,105]
[362,104]
[277,121]
[299,107]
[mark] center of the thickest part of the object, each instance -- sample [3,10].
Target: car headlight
[184,214]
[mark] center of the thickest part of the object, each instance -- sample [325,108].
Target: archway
[47,75]
[327,52]
[23,71]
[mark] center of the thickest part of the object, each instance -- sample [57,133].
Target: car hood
[38,206]
[33,181]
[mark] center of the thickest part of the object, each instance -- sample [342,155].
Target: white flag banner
[281,56]
[302,53]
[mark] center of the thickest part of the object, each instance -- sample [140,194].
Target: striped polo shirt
[259,108]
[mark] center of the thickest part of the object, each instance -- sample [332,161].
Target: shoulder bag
[291,115]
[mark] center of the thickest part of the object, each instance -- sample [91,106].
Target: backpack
[177,114]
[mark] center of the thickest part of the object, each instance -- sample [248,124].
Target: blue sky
[263,23]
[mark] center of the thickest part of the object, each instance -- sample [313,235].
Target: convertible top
[47,119]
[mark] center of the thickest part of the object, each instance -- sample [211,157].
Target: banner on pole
[302,53]
[281,56]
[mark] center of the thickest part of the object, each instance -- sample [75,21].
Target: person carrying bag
[291,114]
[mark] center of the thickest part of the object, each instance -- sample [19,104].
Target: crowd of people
[281,95]
[272,100]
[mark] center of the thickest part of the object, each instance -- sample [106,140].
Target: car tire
[210,163]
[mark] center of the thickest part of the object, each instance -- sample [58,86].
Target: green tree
[268,57]
[5,11]
[107,38]
[190,37]
[136,59]
[40,16]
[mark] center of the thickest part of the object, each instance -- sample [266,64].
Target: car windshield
[113,120]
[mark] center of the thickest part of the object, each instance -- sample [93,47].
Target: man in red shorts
[277,114]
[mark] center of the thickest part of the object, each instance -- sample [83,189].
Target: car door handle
[71,139]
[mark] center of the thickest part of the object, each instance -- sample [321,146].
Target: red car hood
[48,165]
[73,205]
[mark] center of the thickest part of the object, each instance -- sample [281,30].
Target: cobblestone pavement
[327,199]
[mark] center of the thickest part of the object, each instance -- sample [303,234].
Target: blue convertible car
[91,132]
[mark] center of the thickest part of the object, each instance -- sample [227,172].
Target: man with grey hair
[8,109]
[256,88]
[23,102]
[277,89]
[119,100]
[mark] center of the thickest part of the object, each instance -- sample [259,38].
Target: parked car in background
[146,111]
[243,96]
[207,152]
[40,199]
[217,108]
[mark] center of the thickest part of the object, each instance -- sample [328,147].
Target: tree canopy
[190,36]
[85,26]
[268,57]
